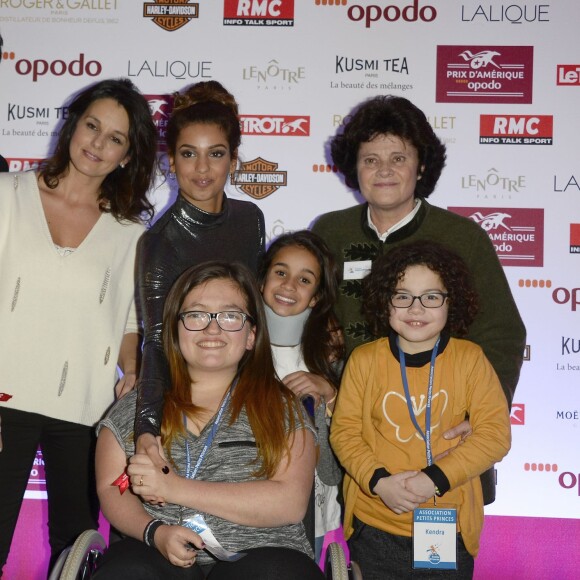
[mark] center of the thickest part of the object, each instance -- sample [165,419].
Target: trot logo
[516,129]
[171,15]
[258,12]
[484,74]
[517,234]
[518,414]
[575,238]
[286,126]
[568,75]
[259,178]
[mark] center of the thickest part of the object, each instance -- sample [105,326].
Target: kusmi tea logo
[171,15]
[259,178]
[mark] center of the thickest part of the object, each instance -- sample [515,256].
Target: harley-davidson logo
[171,14]
[258,178]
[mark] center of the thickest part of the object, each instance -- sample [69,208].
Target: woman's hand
[125,384]
[177,544]
[304,384]
[149,470]
[463,430]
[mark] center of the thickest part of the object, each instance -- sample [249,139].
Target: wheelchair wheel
[59,564]
[82,559]
[354,572]
[335,564]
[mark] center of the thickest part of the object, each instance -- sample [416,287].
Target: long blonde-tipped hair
[269,404]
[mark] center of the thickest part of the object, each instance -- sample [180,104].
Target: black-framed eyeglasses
[427,300]
[228,320]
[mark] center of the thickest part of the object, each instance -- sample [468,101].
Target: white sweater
[62,319]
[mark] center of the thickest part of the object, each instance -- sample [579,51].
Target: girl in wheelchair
[240,451]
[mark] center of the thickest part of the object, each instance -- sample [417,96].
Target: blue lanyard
[427,435]
[190,474]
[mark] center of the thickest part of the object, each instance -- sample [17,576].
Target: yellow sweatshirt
[371,428]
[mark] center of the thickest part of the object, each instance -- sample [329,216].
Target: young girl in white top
[299,281]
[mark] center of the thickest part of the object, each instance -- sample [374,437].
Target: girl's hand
[392,490]
[304,384]
[177,544]
[421,485]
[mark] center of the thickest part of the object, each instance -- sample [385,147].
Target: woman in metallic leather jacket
[203,137]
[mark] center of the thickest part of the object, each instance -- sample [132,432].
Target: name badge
[356,270]
[198,525]
[435,538]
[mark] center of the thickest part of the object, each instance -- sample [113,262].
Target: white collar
[397,226]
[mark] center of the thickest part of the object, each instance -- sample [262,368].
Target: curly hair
[206,102]
[124,191]
[319,344]
[389,269]
[387,114]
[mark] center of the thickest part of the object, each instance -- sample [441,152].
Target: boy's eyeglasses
[230,320]
[427,300]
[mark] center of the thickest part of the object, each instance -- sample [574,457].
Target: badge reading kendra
[171,14]
[258,178]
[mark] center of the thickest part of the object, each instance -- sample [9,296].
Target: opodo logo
[286,126]
[517,234]
[565,296]
[484,74]
[171,15]
[416,11]
[259,178]
[160,107]
[258,12]
[518,414]
[568,75]
[575,238]
[78,67]
[512,13]
[516,129]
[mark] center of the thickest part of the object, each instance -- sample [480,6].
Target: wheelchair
[79,561]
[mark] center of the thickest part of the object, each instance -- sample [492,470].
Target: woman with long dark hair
[68,237]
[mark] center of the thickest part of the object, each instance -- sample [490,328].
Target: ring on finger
[140,481]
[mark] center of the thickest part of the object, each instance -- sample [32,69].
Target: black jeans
[132,559]
[383,556]
[68,450]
